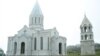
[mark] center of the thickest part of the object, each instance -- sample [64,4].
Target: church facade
[35,40]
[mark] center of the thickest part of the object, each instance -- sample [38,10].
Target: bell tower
[36,18]
[87,41]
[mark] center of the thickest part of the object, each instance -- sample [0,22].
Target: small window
[89,27]
[85,37]
[35,43]
[41,43]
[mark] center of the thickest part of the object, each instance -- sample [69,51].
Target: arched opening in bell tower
[85,29]
[86,37]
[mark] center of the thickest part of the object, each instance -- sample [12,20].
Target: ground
[78,53]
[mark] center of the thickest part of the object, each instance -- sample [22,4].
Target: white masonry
[35,40]
[87,41]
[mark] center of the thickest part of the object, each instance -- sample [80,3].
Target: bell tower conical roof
[85,21]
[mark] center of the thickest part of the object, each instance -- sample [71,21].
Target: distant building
[2,52]
[35,40]
[87,41]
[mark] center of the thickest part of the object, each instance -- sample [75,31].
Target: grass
[97,53]
[78,53]
[73,54]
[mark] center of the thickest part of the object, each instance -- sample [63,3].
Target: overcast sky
[65,15]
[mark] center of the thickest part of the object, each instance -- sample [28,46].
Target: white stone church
[35,40]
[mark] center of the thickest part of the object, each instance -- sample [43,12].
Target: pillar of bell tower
[87,41]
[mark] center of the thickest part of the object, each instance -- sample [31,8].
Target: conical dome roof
[36,10]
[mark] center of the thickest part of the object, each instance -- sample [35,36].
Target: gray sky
[65,15]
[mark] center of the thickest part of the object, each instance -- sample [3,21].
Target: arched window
[41,43]
[60,48]
[90,28]
[35,43]
[22,48]
[15,47]
[85,37]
